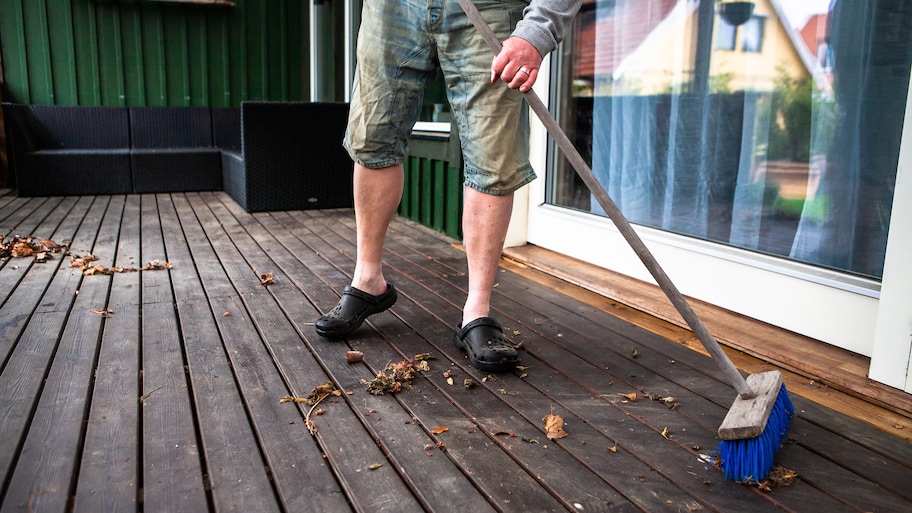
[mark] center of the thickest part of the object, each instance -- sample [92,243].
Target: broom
[757,422]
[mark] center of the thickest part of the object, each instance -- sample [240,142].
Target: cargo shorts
[401,44]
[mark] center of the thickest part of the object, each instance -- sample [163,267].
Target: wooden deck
[161,390]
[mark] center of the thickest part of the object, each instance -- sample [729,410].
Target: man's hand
[517,64]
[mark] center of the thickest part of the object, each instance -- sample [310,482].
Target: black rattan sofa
[266,155]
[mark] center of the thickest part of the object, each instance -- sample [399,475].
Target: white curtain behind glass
[696,156]
[854,149]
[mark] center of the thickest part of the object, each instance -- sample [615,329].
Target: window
[726,36]
[752,33]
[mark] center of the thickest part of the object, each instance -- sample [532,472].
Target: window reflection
[778,135]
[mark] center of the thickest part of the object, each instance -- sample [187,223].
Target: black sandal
[487,349]
[351,311]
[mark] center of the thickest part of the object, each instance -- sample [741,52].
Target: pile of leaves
[397,375]
[87,265]
[37,247]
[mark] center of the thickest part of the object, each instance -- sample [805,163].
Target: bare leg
[377,193]
[485,220]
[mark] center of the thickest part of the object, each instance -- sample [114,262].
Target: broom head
[754,429]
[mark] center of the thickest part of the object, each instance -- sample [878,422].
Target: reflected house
[815,35]
[635,47]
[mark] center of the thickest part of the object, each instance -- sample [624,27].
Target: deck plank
[235,467]
[108,476]
[172,402]
[173,474]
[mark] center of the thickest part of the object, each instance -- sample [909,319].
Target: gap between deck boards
[812,369]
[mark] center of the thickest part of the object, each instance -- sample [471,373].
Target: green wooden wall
[433,194]
[131,52]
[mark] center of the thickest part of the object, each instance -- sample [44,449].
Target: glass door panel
[775,132]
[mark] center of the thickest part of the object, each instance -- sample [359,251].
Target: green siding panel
[432,194]
[134,71]
[14,57]
[38,50]
[119,52]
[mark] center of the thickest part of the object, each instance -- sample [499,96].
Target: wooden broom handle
[614,213]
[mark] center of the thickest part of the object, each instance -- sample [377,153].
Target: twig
[309,423]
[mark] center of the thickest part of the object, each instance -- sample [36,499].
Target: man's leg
[485,220]
[377,193]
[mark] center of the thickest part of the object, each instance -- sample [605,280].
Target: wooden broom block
[747,417]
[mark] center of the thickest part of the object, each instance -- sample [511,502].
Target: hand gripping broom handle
[582,169]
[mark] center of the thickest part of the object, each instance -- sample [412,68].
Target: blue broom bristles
[750,460]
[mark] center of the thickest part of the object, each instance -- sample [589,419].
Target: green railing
[432,195]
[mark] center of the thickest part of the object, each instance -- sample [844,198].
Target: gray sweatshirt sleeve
[545,23]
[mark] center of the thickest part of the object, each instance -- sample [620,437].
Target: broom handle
[582,169]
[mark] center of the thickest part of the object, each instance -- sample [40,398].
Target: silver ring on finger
[525,70]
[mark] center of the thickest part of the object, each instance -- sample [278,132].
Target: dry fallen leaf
[665,433]
[22,249]
[374,466]
[554,426]
[354,356]
[439,430]
[267,279]
[156,265]
[632,397]
[104,312]
[290,399]
[614,449]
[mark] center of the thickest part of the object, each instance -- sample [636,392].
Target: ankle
[372,287]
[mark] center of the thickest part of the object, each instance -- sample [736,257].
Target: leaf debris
[85,264]
[266,279]
[781,476]
[668,401]
[554,426]
[396,376]
[37,247]
[313,399]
